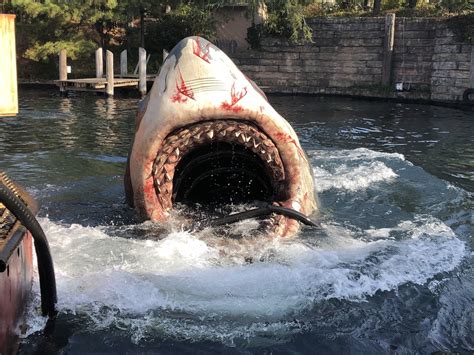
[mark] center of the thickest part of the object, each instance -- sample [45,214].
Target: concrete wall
[8,79]
[347,58]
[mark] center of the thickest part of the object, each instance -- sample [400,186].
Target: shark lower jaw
[218,162]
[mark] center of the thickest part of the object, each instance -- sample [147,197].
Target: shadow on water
[388,271]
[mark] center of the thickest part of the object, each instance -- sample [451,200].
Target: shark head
[206,134]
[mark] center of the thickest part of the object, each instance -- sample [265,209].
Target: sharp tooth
[222,133]
[262,151]
[176,152]
[158,189]
[197,135]
[255,144]
[237,134]
[243,137]
[168,177]
[210,134]
[158,182]
[247,139]
[186,142]
[269,158]
[172,159]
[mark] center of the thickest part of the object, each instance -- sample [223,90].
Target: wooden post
[109,73]
[99,63]
[142,71]
[8,79]
[63,65]
[388,48]
[62,68]
[123,63]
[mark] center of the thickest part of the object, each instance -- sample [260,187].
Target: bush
[186,20]
[285,19]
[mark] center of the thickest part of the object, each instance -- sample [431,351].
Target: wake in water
[380,229]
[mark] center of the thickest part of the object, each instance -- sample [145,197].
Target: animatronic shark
[207,135]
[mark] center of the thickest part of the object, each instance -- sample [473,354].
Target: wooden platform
[98,84]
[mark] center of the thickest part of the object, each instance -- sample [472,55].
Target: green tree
[78,26]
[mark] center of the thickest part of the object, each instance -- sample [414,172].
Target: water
[389,270]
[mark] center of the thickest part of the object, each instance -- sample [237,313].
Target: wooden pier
[97,84]
[106,83]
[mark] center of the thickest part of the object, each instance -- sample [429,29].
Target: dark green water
[389,270]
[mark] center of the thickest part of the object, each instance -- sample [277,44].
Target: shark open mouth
[218,162]
[207,137]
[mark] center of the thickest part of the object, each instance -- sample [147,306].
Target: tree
[78,26]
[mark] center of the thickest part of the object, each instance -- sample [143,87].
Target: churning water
[389,269]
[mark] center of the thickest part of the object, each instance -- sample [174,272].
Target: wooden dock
[98,84]
[106,83]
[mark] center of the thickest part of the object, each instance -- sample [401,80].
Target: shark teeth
[183,141]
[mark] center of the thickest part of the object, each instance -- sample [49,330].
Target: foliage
[357,8]
[76,25]
[463,27]
[285,18]
[186,20]
[319,9]
[255,35]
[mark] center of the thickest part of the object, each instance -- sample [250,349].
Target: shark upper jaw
[205,126]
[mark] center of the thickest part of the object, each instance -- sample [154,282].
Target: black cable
[263,211]
[43,254]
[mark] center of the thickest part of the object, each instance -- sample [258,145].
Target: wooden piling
[388,49]
[99,63]
[123,63]
[142,61]
[109,73]
[8,79]
[62,67]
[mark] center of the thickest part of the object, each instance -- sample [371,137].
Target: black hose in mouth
[221,173]
[264,210]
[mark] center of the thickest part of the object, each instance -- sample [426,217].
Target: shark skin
[199,85]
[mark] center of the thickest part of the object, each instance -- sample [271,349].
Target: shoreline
[357,94]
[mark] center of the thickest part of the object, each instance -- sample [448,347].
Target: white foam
[352,170]
[356,154]
[137,284]
[352,179]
